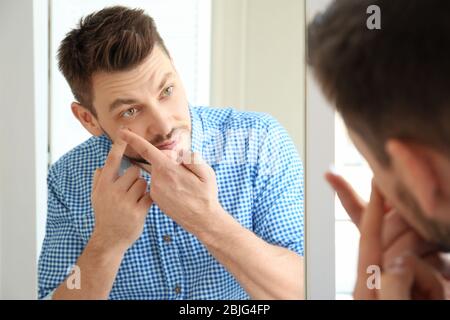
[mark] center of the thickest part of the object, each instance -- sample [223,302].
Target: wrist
[101,246]
[216,227]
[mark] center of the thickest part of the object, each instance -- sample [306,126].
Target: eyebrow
[121,101]
[164,79]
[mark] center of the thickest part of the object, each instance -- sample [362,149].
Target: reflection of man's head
[391,87]
[121,74]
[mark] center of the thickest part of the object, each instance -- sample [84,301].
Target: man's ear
[417,171]
[86,118]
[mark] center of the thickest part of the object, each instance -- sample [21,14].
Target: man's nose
[158,123]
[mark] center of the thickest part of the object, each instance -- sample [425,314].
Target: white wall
[258,60]
[320,221]
[23,142]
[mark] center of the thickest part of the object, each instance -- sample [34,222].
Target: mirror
[228,84]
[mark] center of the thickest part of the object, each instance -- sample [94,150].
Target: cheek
[180,106]
[138,125]
[405,207]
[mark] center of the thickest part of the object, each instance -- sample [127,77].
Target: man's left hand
[408,277]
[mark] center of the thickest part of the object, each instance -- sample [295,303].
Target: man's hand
[185,190]
[407,277]
[394,241]
[397,235]
[120,203]
[120,207]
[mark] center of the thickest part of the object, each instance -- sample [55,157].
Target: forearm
[265,271]
[98,265]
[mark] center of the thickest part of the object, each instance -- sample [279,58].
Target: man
[390,86]
[217,212]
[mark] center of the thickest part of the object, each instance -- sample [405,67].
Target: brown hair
[113,39]
[387,83]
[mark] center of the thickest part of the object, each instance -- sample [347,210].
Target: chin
[184,143]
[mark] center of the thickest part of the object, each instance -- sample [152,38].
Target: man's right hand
[120,207]
[120,203]
[397,237]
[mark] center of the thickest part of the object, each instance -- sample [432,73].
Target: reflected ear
[86,118]
[416,171]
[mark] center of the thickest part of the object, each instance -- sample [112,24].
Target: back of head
[388,83]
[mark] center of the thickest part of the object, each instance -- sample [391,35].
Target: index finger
[350,200]
[370,246]
[112,163]
[145,149]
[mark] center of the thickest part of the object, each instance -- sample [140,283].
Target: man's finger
[407,242]
[426,279]
[350,200]
[130,176]
[145,149]
[396,284]
[112,163]
[137,190]
[172,155]
[146,201]
[143,166]
[195,163]
[410,277]
[395,227]
[370,246]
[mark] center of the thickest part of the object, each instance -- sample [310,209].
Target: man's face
[398,196]
[148,99]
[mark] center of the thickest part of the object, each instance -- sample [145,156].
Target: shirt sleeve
[278,215]
[62,243]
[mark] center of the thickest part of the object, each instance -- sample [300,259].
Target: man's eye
[129,113]
[167,91]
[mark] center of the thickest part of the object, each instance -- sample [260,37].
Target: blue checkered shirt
[260,182]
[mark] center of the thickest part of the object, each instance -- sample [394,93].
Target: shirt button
[167,238]
[177,289]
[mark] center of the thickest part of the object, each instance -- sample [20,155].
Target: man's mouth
[168,145]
